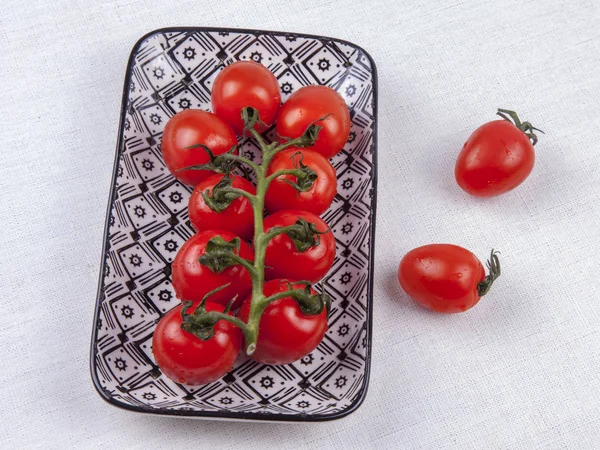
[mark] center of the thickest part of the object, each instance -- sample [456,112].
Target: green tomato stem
[241,192]
[261,239]
[525,127]
[493,265]
[240,159]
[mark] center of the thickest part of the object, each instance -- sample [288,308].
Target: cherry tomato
[317,198]
[306,106]
[191,127]
[192,280]
[445,277]
[496,158]
[283,260]
[187,359]
[285,333]
[238,217]
[246,83]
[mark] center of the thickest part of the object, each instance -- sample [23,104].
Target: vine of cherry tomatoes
[238,257]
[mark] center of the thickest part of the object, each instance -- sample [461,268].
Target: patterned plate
[147,221]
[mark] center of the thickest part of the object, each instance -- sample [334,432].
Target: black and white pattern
[171,70]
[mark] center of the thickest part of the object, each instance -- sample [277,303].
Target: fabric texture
[520,370]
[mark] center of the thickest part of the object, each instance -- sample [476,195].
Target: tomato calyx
[221,254]
[197,322]
[222,194]
[201,322]
[308,138]
[223,163]
[525,127]
[304,234]
[251,118]
[305,176]
[310,304]
[493,265]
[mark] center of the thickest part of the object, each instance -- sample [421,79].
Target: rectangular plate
[147,221]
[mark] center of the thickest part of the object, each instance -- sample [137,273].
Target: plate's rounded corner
[144,38]
[352,407]
[364,52]
[105,395]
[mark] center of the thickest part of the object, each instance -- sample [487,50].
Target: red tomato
[187,359]
[285,333]
[191,127]
[496,158]
[445,277]
[246,83]
[307,105]
[317,199]
[283,260]
[192,280]
[238,217]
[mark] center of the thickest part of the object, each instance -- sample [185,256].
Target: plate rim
[236,415]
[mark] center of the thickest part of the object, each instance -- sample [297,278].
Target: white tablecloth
[521,370]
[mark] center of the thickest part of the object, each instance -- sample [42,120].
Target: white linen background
[521,370]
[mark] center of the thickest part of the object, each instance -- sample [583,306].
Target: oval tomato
[191,127]
[445,277]
[317,198]
[496,158]
[192,280]
[238,217]
[306,106]
[283,260]
[246,83]
[285,333]
[187,359]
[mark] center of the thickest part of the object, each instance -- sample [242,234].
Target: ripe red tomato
[238,217]
[445,277]
[192,280]
[496,158]
[187,359]
[316,199]
[285,333]
[307,105]
[246,83]
[283,260]
[191,127]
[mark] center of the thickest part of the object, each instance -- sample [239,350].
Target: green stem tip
[493,265]
[525,127]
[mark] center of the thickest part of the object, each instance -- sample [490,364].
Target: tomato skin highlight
[238,217]
[307,105]
[246,83]
[187,359]
[283,260]
[495,159]
[441,277]
[191,127]
[192,281]
[285,333]
[317,199]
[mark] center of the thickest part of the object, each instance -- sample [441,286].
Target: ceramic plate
[147,222]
